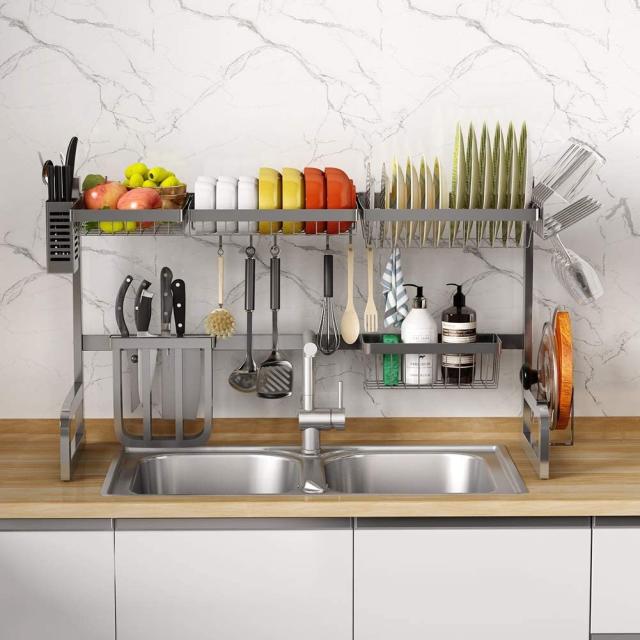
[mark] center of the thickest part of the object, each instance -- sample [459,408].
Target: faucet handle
[340,395]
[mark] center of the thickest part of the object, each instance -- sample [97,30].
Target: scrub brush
[220,323]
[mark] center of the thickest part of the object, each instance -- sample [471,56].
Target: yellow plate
[269,197]
[292,197]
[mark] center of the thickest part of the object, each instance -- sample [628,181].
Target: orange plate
[315,197]
[564,350]
[339,196]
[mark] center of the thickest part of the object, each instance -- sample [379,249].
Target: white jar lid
[228,179]
[249,179]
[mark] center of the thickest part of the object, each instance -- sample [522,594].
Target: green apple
[107,226]
[125,182]
[130,225]
[136,167]
[136,180]
[150,184]
[170,181]
[158,174]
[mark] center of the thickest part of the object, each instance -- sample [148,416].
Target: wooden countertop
[598,476]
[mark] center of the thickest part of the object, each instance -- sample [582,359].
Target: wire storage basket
[395,365]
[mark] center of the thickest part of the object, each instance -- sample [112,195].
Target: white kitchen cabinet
[272,579]
[615,606]
[476,578]
[56,580]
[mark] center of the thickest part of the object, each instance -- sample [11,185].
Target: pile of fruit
[142,188]
[138,175]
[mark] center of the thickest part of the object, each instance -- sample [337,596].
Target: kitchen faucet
[310,419]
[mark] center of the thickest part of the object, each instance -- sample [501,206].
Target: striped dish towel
[396,305]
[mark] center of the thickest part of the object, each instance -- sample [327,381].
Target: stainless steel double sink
[246,471]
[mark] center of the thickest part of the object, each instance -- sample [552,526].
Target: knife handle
[57,183]
[144,285]
[122,292]
[51,183]
[66,183]
[166,303]
[144,312]
[179,296]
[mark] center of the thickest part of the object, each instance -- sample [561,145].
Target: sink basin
[245,471]
[424,470]
[207,473]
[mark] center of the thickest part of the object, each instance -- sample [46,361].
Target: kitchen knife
[179,295]
[143,319]
[164,356]
[130,354]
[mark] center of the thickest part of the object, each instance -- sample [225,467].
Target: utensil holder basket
[63,245]
[484,369]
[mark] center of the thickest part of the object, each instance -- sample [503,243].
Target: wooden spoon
[350,323]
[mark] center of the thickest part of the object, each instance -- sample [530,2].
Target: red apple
[104,196]
[140,198]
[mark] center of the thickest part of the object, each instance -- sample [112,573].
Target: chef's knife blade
[143,309]
[164,356]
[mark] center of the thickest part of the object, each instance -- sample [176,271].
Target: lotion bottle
[458,327]
[419,326]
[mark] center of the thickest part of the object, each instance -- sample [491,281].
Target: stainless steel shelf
[485,370]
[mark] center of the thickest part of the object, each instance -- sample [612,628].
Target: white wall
[223,88]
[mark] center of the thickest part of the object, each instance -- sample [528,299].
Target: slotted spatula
[275,375]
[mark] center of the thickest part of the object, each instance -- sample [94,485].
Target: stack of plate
[487,173]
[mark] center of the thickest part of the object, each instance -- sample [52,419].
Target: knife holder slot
[137,357]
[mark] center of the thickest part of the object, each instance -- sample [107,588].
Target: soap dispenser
[458,327]
[419,326]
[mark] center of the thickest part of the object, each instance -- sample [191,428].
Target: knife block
[164,431]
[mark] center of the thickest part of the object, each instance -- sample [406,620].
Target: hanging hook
[275,249]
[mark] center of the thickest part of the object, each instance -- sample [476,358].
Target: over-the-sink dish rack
[189,358]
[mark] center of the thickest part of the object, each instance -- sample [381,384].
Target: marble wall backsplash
[226,87]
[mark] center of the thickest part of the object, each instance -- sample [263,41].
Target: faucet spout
[310,419]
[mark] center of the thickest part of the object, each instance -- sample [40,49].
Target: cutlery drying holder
[175,349]
[485,369]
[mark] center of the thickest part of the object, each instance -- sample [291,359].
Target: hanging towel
[396,306]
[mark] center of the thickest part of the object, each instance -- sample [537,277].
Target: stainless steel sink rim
[123,477]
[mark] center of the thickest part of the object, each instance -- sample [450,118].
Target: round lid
[555,369]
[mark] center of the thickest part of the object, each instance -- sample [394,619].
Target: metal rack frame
[72,218]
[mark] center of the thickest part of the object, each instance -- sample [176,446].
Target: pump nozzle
[419,302]
[459,299]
